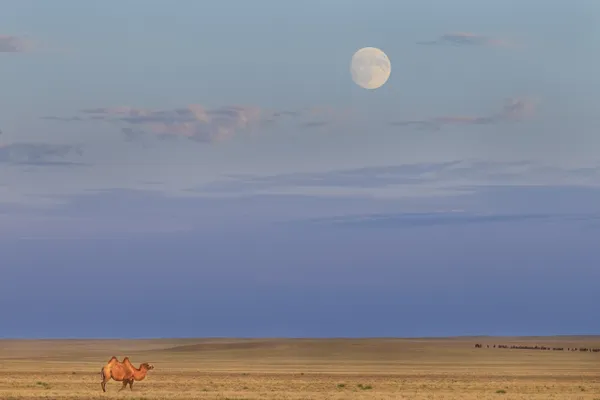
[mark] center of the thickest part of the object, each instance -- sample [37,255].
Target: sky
[211,169]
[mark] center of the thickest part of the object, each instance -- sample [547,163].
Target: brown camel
[116,370]
[123,372]
[137,374]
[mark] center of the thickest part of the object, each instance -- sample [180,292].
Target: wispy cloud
[41,154]
[367,177]
[412,220]
[14,44]
[419,178]
[314,124]
[405,220]
[193,122]
[196,122]
[452,177]
[513,110]
[466,39]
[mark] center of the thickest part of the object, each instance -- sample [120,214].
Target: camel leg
[124,385]
[131,384]
[104,380]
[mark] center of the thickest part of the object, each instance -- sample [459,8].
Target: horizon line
[305,337]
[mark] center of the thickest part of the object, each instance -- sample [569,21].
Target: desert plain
[281,369]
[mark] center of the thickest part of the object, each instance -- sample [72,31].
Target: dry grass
[304,369]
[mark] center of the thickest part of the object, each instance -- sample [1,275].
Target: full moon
[370,68]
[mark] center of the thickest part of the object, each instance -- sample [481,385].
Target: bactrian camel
[123,372]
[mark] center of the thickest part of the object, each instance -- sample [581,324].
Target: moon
[370,68]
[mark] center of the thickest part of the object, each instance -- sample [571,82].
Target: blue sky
[213,165]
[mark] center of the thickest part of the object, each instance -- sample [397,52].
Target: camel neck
[139,373]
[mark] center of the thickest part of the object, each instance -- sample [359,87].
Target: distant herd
[522,347]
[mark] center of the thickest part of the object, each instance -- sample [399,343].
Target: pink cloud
[194,121]
[14,44]
[199,123]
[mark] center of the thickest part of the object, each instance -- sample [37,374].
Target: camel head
[148,366]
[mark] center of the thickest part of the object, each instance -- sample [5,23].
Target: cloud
[64,119]
[145,211]
[41,154]
[411,220]
[372,177]
[196,122]
[314,124]
[466,39]
[193,122]
[14,44]
[515,109]
[451,178]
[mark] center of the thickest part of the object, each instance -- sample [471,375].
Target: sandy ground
[305,369]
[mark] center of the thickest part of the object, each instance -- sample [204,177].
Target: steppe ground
[305,369]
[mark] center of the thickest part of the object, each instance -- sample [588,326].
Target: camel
[116,370]
[123,372]
[137,374]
